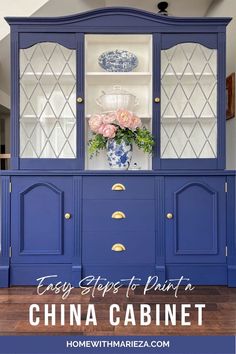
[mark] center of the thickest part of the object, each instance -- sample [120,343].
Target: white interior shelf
[187,119]
[126,74]
[123,80]
[55,74]
[188,74]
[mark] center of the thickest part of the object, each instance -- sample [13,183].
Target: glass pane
[188,108]
[47,101]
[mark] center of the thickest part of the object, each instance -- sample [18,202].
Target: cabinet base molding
[76,274]
[232,276]
[199,274]
[27,274]
[4,276]
[116,273]
[161,272]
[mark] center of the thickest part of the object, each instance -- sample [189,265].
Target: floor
[219,317]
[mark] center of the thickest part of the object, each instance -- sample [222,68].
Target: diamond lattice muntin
[189,108]
[47,101]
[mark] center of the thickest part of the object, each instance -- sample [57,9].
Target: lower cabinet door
[195,220]
[41,232]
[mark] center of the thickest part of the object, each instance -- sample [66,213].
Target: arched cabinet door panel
[40,232]
[195,226]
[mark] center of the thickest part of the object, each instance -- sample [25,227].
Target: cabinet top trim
[138,16]
[118,173]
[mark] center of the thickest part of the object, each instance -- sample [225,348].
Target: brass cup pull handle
[118,187]
[79,99]
[118,215]
[169,216]
[67,216]
[118,247]
[156,99]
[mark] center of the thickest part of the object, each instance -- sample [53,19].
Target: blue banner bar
[116,344]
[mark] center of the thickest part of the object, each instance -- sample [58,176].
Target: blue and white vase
[119,155]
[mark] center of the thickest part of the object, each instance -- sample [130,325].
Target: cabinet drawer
[139,248]
[118,187]
[138,215]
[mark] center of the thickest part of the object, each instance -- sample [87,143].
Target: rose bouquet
[120,126]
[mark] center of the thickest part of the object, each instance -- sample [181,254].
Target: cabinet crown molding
[142,15]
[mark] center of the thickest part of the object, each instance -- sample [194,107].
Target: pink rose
[108,131]
[124,118]
[136,123]
[95,122]
[100,130]
[109,118]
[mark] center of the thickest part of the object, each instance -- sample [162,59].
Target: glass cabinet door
[188,103]
[48,102]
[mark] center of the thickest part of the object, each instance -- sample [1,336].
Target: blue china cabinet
[65,214]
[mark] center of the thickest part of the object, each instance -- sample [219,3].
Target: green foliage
[97,143]
[126,135]
[141,137]
[144,140]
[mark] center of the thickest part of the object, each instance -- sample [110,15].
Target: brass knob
[79,99]
[118,247]
[169,216]
[67,216]
[157,99]
[118,187]
[118,215]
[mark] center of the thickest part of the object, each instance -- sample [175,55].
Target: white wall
[16,8]
[176,7]
[228,8]
[68,7]
[34,8]
[5,133]
[4,99]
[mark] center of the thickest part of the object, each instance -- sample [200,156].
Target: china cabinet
[171,213]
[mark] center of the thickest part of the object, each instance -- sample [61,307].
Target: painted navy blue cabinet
[122,234]
[170,214]
[42,229]
[195,226]
[196,216]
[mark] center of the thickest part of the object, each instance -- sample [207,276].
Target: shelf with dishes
[118,88]
[107,98]
[117,53]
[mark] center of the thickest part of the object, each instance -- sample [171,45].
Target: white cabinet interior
[137,82]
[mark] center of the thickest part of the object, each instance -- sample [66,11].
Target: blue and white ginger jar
[119,155]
